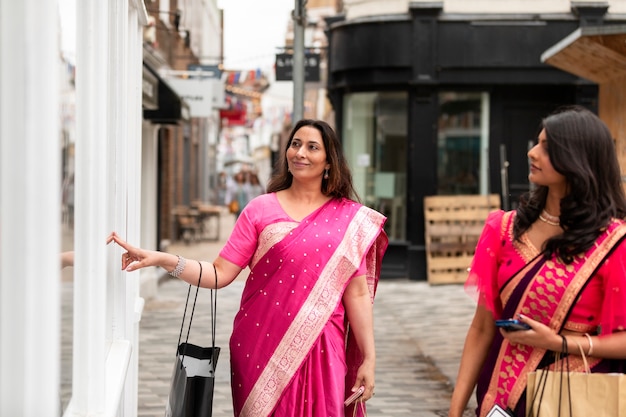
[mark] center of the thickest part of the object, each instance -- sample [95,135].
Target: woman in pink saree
[303,337]
[557,263]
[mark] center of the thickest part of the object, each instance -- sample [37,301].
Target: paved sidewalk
[419,332]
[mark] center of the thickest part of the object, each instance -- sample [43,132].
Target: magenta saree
[512,277]
[288,347]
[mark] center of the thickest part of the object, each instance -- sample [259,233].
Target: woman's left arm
[360,312]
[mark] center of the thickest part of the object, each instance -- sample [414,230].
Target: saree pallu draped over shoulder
[290,328]
[544,290]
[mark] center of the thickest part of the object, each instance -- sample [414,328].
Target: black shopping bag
[193,377]
[193,380]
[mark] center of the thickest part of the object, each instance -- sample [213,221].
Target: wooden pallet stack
[453,226]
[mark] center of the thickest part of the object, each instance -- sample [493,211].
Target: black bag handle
[213,320]
[193,308]
[563,370]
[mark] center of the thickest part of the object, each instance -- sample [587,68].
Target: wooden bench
[453,225]
[209,220]
[187,223]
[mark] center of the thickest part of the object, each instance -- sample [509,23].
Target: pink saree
[288,348]
[512,277]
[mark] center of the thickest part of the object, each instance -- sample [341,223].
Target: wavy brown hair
[339,182]
[581,148]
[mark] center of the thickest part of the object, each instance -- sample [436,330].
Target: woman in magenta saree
[303,339]
[288,354]
[564,275]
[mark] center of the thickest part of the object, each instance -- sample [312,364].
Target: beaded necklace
[549,218]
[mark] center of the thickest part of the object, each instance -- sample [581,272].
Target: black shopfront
[433,104]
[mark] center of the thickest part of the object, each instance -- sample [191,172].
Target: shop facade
[430,102]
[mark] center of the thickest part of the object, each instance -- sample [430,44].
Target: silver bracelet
[179,267]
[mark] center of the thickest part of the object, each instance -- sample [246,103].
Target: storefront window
[375,141]
[462,143]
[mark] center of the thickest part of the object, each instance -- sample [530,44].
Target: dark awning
[170,108]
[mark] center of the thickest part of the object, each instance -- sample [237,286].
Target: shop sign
[202,95]
[284,67]
[205,71]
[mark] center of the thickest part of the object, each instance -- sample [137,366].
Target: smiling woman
[314,255]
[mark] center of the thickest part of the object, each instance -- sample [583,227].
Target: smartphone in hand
[355,396]
[512,325]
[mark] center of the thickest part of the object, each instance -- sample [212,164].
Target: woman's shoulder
[499,222]
[496,217]
[262,202]
[356,206]
[263,209]
[266,198]
[346,200]
[349,203]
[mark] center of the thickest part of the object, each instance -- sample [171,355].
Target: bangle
[590,351]
[179,267]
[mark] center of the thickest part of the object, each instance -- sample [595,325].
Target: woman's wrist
[170,262]
[179,268]
[369,360]
[557,344]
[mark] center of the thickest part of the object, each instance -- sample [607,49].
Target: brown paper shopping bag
[564,393]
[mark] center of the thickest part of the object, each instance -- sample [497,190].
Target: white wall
[30,208]
[106,307]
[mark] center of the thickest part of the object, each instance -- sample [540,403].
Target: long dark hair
[339,182]
[581,148]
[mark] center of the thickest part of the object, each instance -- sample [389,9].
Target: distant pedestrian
[237,193]
[303,339]
[537,264]
[222,186]
[255,188]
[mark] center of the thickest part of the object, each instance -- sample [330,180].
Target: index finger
[114,237]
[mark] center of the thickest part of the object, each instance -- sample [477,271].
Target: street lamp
[299,19]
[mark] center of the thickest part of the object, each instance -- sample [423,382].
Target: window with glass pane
[462,139]
[375,142]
